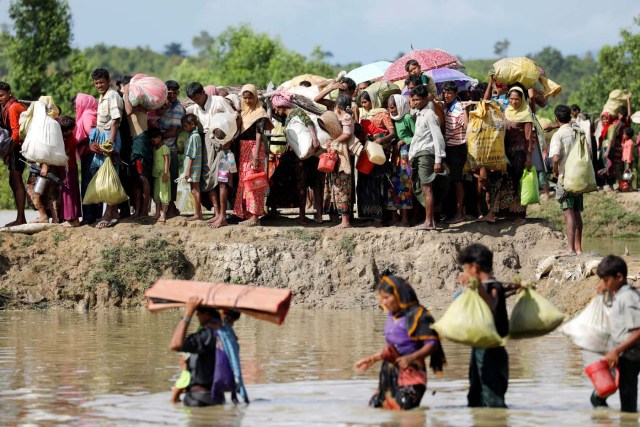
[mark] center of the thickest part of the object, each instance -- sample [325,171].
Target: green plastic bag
[579,176]
[529,191]
[183,380]
[469,320]
[105,187]
[533,315]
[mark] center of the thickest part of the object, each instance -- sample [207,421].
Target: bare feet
[162,219]
[212,220]
[220,223]
[425,227]
[41,220]
[195,218]
[520,221]
[73,223]
[490,218]
[250,222]
[456,220]
[343,225]
[567,252]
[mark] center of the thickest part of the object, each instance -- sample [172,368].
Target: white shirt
[561,144]
[110,107]
[428,136]
[213,105]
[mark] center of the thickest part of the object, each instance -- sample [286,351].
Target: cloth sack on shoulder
[150,92]
[44,142]
[579,176]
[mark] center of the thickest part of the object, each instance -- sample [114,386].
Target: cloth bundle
[590,329]
[44,142]
[526,72]
[579,176]
[485,138]
[617,98]
[533,315]
[149,92]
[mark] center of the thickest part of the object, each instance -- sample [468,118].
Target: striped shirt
[193,150]
[172,117]
[455,129]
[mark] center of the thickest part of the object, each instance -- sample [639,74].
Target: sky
[360,30]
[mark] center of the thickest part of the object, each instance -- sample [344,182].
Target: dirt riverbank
[85,268]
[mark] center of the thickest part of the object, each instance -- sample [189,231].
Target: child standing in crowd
[489,368]
[571,205]
[629,150]
[426,153]
[160,173]
[70,191]
[400,194]
[625,331]
[193,161]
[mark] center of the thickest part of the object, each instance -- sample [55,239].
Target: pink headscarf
[211,90]
[282,99]
[86,116]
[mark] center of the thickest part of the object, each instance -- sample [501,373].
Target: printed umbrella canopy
[428,59]
[442,75]
[369,71]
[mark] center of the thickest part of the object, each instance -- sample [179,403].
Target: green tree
[618,68]
[68,78]
[501,47]
[41,36]
[174,49]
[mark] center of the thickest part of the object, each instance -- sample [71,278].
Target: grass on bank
[127,267]
[603,216]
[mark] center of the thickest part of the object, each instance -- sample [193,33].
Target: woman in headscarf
[377,124]
[292,172]
[86,108]
[604,140]
[520,140]
[410,339]
[249,205]
[399,194]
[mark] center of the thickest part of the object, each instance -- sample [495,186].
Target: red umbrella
[428,59]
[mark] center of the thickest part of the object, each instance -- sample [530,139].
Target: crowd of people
[423,179]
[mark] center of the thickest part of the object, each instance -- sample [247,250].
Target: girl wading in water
[410,339]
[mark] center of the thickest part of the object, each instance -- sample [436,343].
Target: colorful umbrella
[428,60]
[369,71]
[442,75]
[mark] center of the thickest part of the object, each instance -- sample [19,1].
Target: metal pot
[41,185]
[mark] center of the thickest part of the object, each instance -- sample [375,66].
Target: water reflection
[116,368]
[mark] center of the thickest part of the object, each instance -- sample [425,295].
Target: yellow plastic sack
[617,98]
[529,191]
[579,176]
[533,315]
[485,138]
[517,70]
[105,187]
[550,87]
[469,321]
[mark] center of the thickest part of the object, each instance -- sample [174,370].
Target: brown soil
[75,268]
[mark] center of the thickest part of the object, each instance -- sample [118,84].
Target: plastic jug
[256,181]
[375,152]
[364,165]
[328,162]
[602,380]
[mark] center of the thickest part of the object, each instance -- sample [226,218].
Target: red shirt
[13,115]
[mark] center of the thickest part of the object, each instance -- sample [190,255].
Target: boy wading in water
[489,368]
[572,205]
[625,331]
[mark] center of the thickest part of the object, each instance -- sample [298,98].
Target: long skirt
[399,193]
[391,395]
[371,191]
[71,205]
[338,193]
[249,203]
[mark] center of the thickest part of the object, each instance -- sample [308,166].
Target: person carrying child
[160,173]
[193,162]
[625,331]
[489,368]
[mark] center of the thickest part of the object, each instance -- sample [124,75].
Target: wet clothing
[406,332]
[489,368]
[201,365]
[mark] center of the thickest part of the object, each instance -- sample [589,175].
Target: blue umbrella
[369,72]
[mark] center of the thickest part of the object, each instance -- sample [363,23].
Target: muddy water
[60,367]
